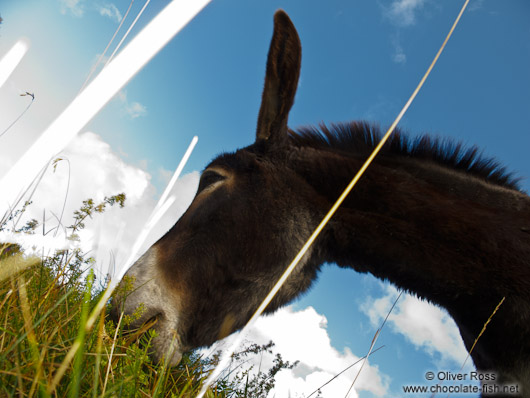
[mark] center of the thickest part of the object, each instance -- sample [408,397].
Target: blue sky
[361,60]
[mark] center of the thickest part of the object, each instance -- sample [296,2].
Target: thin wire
[92,317]
[66,194]
[126,33]
[19,116]
[226,355]
[106,48]
[34,183]
[478,337]
[338,374]
[163,204]
[374,340]
[155,35]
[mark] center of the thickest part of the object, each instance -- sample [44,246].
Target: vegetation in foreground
[48,350]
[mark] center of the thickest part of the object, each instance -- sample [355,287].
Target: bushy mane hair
[362,137]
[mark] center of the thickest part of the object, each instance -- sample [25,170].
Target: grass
[46,349]
[43,315]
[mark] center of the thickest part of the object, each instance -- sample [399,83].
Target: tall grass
[43,312]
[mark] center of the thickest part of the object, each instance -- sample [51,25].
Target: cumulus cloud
[399,56]
[75,7]
[427,327]
[164,175]
[135,109]
[132,109]
[476,5]
[403,12]
[78,7]
[302,336]
[110,11]
[91,169]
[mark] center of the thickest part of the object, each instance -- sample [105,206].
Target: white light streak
[13,57]
[106,48]
[179,169]
[159,210]
[111,79]
[127,33]
[164,203]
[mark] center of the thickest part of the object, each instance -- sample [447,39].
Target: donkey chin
[147,300]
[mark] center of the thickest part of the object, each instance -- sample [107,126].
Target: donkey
[430,216]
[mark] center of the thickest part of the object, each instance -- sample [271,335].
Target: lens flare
[90,101]
[13,57]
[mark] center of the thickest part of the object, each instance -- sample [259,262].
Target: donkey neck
[426,228]
[453,239]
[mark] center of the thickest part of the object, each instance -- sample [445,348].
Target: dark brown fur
[431,217]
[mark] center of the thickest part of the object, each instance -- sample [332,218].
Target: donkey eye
[209,178]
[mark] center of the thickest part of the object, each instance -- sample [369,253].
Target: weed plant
[47,350]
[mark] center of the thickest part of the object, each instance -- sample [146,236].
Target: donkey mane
[362,137]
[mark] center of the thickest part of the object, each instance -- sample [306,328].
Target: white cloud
[132,109]
[77,8]
[403,12]
[73,6]
[99,60]
[164,176]
[110,11]
[427,327]
[302,336]
[121,95]
[95,172]
[135,109]
[399,55]
[476,5]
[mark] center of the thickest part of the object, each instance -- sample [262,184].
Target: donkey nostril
[135,334]
[149,323]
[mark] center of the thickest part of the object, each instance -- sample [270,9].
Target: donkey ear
[281,79]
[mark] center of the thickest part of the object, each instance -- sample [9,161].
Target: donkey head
[205,278]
